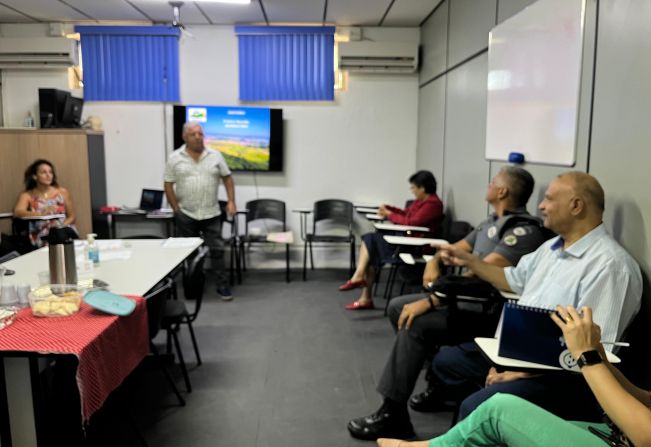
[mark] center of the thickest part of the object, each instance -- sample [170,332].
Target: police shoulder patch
[510,240]
[492,231]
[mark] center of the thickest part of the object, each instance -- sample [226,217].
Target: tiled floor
[283,365]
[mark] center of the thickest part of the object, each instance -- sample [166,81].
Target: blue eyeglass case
[110,303]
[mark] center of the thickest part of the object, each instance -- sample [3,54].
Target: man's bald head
[587,187]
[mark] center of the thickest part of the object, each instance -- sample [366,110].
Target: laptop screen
[151,199]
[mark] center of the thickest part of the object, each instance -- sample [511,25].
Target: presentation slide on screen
[241,134]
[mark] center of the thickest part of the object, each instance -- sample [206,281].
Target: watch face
[589,358]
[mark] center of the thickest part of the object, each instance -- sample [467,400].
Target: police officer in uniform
[502,239]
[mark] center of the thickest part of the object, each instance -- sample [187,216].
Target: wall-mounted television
[249,138]
[58,108]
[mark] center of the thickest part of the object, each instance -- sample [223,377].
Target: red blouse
[422,213]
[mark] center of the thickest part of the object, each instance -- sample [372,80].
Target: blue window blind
[130,63]
[286,63]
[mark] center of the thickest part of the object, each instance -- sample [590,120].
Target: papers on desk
[394,227]
[179,242]
[414,241]
[46,217]
[362,209]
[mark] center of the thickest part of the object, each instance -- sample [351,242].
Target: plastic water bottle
[92,250]
[29,120]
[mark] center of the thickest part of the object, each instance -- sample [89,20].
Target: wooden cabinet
[78,157]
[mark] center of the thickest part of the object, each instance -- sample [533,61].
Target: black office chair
[175,312]
[329,214]
[271,212]
[155,306]
[451,231]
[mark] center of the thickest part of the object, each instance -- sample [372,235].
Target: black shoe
[429,401]
[387,422]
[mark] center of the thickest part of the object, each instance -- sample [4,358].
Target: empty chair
[155,306]
[175,312]
[329,215]
[272,213]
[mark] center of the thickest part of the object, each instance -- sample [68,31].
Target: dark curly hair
[31,171]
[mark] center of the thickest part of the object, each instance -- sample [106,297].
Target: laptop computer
[151,199]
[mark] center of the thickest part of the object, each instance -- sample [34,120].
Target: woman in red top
[425,211]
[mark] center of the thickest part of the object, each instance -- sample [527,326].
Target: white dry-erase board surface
[534,73]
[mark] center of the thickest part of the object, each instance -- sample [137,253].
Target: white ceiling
[338,12]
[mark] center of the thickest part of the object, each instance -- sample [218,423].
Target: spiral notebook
[529,334]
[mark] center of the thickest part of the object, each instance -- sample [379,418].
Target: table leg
[5,428]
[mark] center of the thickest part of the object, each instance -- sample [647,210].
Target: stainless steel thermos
[63,268]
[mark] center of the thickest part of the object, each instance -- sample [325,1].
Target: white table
[374,217]
[394,227]
[148,263]
[414,241]
[490,347]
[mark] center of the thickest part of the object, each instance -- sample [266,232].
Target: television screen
[249,138]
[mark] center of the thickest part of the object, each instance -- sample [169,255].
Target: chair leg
[311,256]
[184,370]
[166,373]
[194,342]
[287,262]
[305,261]
[238,263]
[352,257]
[231,272]
[378,277]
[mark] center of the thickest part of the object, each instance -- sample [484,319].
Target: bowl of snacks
[56,300]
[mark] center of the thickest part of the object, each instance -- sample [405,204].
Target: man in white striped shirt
[583,266]
[195,171]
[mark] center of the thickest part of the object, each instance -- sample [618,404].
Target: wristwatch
[589,358]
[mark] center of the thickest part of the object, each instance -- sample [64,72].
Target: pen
[616,343]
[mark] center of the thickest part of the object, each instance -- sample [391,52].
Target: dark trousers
[565,394]
[411,349]
[211,232]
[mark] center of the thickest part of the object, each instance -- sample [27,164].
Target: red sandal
[356,305]
[350,285]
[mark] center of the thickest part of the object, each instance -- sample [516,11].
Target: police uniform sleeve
[471,238]
[518,241]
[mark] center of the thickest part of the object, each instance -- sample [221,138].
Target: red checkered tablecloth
[108,347]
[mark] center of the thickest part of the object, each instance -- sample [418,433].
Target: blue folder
[529,334]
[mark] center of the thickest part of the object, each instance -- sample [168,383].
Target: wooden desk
[149,262]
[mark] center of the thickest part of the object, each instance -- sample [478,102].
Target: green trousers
[507,420]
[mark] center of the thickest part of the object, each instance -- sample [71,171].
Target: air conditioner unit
[378,57]
[40,53]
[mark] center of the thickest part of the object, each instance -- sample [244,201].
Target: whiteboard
[534,74]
